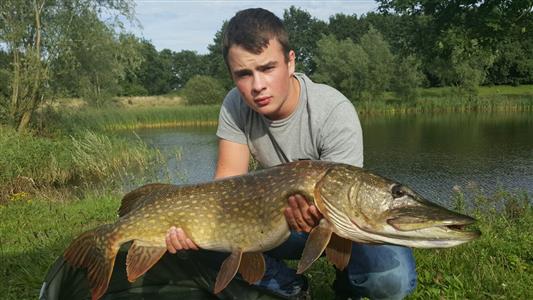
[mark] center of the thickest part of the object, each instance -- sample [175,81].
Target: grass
[138,117]
[29,162]
[450,103]
[35,231]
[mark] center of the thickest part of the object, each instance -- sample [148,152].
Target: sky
[191,25]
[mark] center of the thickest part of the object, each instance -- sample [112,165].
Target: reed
[140,117]
[437,104]
[30,162]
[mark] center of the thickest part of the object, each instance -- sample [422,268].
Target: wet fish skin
[243,215]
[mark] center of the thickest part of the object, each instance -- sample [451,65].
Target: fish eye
[397,191]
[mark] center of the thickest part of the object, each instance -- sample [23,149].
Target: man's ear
[292,62]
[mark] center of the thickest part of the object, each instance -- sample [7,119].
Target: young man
[278,116]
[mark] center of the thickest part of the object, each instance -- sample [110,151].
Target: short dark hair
[252,29]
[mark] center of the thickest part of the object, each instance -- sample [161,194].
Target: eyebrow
[262,67]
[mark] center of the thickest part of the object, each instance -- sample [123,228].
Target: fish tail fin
[95,250]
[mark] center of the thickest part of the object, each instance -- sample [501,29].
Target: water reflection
[431,153]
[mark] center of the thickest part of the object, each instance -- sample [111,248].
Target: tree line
[79,48]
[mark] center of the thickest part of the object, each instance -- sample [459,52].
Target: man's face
[265,80]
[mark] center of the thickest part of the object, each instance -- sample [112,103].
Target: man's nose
[258,82]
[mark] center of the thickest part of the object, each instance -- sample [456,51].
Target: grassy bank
[158,113]
[110,119]
[497,266]
[30,163]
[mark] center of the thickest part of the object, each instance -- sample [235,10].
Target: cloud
[191,25]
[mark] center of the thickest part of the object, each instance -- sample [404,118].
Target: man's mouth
[263,101]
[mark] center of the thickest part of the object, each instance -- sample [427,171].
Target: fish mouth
[423,227]
[433,222]
[451,228]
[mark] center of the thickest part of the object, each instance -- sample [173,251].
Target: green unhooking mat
[173,277]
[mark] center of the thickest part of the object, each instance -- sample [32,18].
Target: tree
[214,61]
[187,64]
[303,31]
[380,63]
[406,78]
[462,62]
[347,26]
[33,33]
[343,65]
[480,27]
[92,60]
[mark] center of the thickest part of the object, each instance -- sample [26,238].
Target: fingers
[316,215]
[300,215]
[177,240]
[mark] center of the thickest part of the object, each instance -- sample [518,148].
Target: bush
[203,90]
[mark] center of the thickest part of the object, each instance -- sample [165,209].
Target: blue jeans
[374,271]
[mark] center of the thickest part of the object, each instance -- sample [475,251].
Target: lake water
[430,153]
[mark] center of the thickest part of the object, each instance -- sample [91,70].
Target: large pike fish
[243,215]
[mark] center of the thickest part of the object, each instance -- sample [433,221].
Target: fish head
[365,207]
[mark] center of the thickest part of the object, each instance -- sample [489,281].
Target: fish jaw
[365,207]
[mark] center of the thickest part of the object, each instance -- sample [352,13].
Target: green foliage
[407,78]
[361,71]
[155,72]
[187,64]
[36,231]
[203,90]
[380,63]
[214,61]
[303,30]
[342,64]
[460,42]
[347,26]
[146,117]
[467,63]
[56,46]
[513,64]
[83,158]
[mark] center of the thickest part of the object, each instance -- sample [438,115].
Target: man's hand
[177,240]
[300,215]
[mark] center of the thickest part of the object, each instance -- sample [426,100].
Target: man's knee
[386,285]
[382,272]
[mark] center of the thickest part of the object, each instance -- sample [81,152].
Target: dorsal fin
[136,198]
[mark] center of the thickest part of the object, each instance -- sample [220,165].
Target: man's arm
[233,159]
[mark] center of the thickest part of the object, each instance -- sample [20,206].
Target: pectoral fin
[338,251]
[252,266]
[228,270]
[141,258]
[316,243]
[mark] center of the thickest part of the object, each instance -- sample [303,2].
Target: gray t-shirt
[324,126]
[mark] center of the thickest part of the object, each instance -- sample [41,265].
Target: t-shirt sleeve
[342,137]
[231,119]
